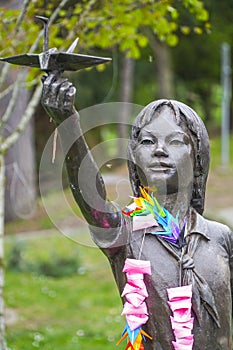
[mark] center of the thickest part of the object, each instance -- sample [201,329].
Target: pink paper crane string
[180,302]
[135,309]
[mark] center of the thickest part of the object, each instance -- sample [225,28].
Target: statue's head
[169,150]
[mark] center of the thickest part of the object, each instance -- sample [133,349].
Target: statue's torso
[211,259]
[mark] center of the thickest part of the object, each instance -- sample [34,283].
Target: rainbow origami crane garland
[148,206]
[135,309]
[180,302]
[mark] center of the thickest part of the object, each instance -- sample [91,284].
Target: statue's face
[164,154]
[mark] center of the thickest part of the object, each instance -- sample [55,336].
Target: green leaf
[185,30]
[134,52]
[77,10]
[174,13]
[91,24]
[62,13]
[197,30]
[162,26]
[203,15]
[172,40]
[142,40]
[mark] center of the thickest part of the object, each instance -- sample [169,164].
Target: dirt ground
[219,192]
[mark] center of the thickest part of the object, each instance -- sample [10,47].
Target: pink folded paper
[134,276]
[184,292]
[136,321]
[135,299]
[181,310]
[182,317]
[187,324]
[133,288]
[180,302]
[187,341]
[136,282]
[135,292]
[130,309]
[182,332]
[137,266]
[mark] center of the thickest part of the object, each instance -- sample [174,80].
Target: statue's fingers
[51,81]
[48,81]
[62,93]
[69,98]
[54,91]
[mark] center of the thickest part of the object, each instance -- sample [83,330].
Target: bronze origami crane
[51,60]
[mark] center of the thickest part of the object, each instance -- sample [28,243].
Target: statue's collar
[196,223]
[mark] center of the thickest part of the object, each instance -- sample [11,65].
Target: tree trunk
[163,67]
[20,189]
[2,312]
[126,89]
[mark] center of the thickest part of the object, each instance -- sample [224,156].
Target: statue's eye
[147,142]
[176,142]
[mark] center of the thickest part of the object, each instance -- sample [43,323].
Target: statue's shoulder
[220,234]
[208,227]
[217,226]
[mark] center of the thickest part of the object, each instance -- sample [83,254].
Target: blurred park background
[58,290]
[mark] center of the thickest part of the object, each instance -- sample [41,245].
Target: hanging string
[143,239]
[54,145]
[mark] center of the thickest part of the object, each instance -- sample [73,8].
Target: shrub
[54,260]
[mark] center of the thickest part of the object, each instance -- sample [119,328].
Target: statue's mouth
[161,166]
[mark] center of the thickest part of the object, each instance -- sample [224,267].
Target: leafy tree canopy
[99,23]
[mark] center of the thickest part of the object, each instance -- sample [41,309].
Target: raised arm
[85,179]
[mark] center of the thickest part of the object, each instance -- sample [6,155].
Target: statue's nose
[160,150]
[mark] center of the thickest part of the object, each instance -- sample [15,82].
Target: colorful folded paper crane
[135,309]
[148,206]
[180,302]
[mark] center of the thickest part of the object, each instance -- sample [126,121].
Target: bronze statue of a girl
[168,161]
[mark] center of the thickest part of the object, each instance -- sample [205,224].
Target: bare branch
[27,84]
[11,139]
[31,83]
[6,66]
[22,14]
[6,91]
[4,72]
[13,99]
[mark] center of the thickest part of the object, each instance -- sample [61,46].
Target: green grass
[81,311]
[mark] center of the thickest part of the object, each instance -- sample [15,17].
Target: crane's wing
[74,62]
[58,61]
[28,59]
